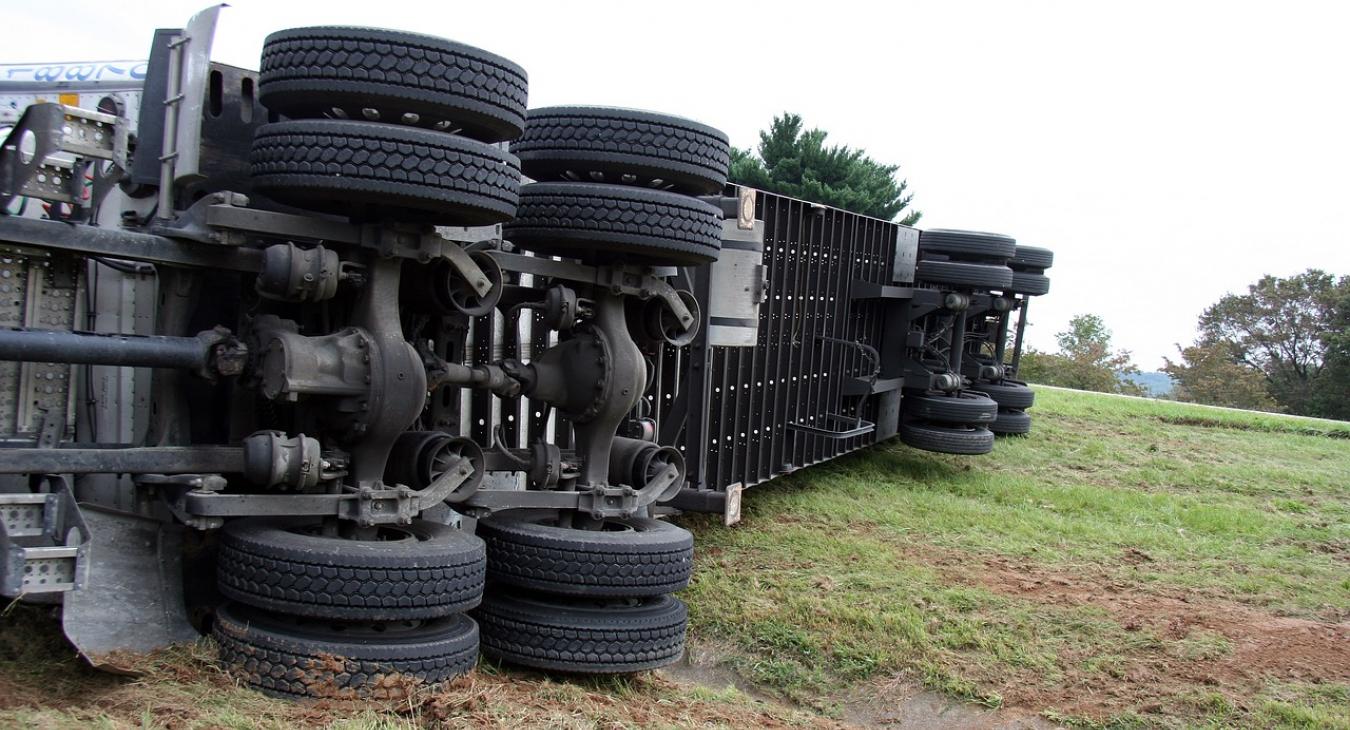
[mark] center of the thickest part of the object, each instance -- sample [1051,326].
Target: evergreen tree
[797,163]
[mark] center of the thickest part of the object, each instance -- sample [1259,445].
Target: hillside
[1155,384]
[1131,563]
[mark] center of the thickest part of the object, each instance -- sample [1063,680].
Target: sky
[1168,152]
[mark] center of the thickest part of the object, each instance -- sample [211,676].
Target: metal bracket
[44,545]
[467,268]
[224,216]
[424,246]
[29,164]
[745,210]
[868,352]
[367,505]
[228,210]
[600,501]
[620,281]
[208,483]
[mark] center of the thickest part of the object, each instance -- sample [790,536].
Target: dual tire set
[1014,397]
[618,186]
[971,262]
[389,125]
[584,601]
[956,423]
[315,615]
[964,262]
[312,615]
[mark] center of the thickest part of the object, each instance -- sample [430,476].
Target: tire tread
[439,177]
[305,69]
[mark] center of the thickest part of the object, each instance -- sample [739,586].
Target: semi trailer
[362,366]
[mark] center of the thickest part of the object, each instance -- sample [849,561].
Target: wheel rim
[662,324]
[439,455]
[460,295]
[395,116]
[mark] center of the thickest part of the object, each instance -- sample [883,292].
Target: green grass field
[1130,564]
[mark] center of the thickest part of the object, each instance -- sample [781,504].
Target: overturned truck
[296,358]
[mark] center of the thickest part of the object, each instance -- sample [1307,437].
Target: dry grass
[44,685]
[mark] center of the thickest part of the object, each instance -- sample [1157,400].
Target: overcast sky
[1168,152]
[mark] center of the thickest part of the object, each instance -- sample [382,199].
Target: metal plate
[133,597]
[13,294]
[44,388]
[736,286]
[906,255]
[32,294]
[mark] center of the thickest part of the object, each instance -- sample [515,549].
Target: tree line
[1284,346]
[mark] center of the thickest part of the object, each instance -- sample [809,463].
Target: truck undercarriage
[295,358]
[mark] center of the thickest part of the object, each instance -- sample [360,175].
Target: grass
[1126,542]
[1130,564]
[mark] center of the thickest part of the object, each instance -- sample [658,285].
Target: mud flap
[132,600]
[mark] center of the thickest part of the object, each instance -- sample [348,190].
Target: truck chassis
[296,359]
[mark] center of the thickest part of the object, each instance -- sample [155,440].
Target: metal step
[44,542]
[25,515]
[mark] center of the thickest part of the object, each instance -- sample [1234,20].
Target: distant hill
[1157,384]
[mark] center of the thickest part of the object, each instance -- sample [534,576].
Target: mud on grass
[1112,569]
[44,685]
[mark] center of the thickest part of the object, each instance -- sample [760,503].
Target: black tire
[962,274]
[582,635]
[289,657]
[968,244]
[623,146]
[369,170]
[328,71]
[633,556]
[1011,422]
[281,564]
[962,408]
[965,440]
[1032,257]
[615,222]
[1008,394]
[1029,284]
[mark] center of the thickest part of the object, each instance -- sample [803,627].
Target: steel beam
[128,245]
[149,460]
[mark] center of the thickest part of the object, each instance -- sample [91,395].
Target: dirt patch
[1198,641]
[704,664]
[900,705]
[893,704]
